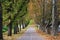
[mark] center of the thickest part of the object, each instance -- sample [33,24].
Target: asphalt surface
[30,34]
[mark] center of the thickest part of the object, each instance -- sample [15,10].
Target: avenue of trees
[13,14]
[46,15]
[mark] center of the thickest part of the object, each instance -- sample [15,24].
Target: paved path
[30,34]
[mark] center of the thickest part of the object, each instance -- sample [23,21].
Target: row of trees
[47,15]
[14,14]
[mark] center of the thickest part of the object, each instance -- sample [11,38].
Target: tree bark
[43,15]
[54,18]
[16,29]
[22,24]
[1,35]
[10,29]
[20,27]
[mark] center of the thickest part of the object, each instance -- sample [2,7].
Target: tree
[16,29]
[1,35]
[10,24]
[54,18]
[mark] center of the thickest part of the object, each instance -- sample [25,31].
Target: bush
[5,28]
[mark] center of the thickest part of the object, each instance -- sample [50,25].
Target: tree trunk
[1,35]
[43,14]
[20,27]
[16,29]
[22,24]
[54,18]
[48,28]
[10,29]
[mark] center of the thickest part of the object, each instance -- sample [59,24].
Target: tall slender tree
[43,14]
[54,18]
